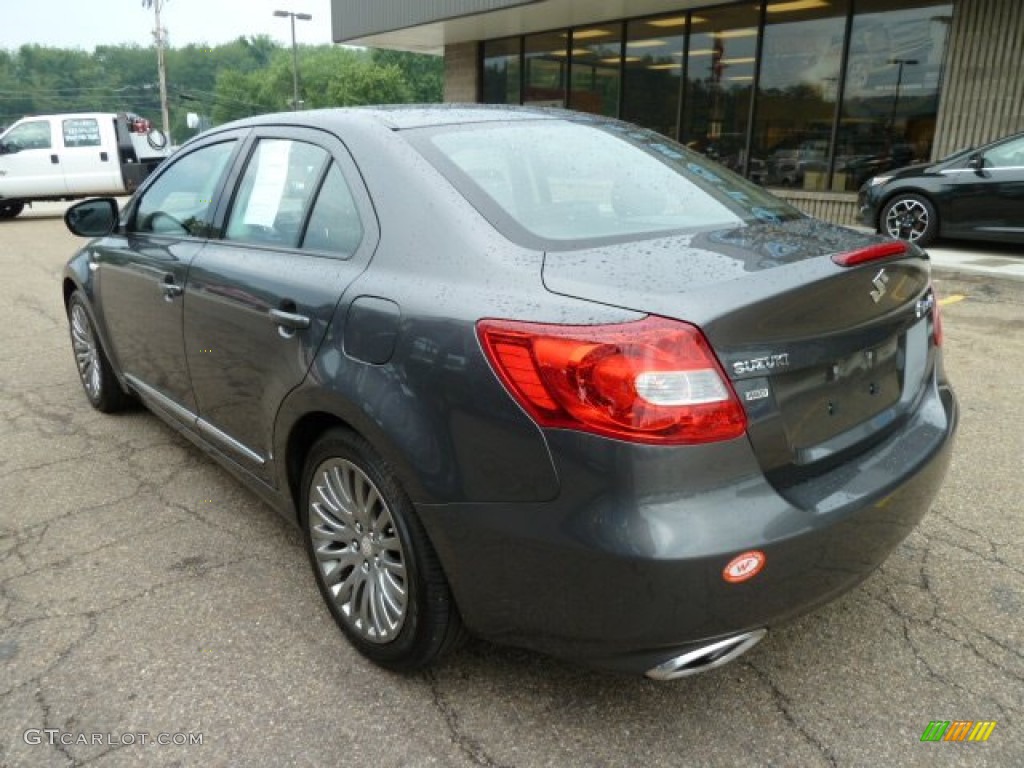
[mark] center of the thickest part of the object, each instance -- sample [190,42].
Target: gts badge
[758,364]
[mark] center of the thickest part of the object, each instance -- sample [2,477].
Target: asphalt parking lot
[145,594]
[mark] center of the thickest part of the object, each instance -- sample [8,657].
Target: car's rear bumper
[618,574]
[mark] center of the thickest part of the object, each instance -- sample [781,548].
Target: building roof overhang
[427,26]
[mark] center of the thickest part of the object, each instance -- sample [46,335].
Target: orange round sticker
[744,567]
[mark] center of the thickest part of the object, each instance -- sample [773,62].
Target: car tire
[910,217]
[373,562]
[94,370]
[10,210]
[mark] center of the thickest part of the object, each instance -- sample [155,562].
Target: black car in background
[974,194]
[547,377]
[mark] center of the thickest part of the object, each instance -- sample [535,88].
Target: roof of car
[404,116]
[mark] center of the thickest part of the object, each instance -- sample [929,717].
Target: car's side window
[180,202]
[334,225]
[1008,155]
[34,134]
[275,192]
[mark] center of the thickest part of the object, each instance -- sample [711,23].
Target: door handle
[171,289]
[289,320]
[54,159]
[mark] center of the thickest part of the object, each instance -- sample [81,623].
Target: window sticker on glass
[268,189]
[81,132]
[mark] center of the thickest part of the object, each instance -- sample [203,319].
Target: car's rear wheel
[910,217]
[94,370]
[10,210]
[373,562]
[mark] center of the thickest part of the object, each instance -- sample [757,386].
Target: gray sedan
[547,378]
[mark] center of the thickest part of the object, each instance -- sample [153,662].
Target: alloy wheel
[86,352]
[357,550]
[907,219]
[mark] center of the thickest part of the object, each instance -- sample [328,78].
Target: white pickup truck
[64,157]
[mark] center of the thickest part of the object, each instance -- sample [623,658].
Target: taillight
[650,381]
[870,253]
[936,319]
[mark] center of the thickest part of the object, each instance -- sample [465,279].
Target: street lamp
[295,51]
[899,81]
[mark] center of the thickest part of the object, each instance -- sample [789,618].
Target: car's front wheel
[94,370]
[10,210]
[373,562]
[910,217]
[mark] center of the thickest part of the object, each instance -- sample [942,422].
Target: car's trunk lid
[824,358]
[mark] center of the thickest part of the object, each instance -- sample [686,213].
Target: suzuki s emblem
[880,281]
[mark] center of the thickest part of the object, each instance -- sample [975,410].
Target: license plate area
[820,402]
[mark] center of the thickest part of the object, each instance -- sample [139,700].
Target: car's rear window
[567,183]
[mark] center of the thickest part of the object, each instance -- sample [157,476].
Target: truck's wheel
[10,210]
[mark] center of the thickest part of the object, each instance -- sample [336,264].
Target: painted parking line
[951,299]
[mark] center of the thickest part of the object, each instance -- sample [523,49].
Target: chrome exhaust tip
[706,657]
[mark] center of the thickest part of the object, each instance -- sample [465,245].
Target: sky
[87,23]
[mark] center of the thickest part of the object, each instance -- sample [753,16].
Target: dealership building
[806,97]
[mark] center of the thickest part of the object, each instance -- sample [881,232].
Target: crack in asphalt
[785,706]
[48,723]
[932,622]
[465,743]
[992,557]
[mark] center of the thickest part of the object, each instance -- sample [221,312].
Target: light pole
[295,51]
[899,81]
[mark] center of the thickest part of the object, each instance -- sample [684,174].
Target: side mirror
[92,218]
[976,161]
[7,149]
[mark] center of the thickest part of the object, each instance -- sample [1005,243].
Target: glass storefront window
[653,71]
[547,59]
[596,57]
[802,56]
[720,82]
[891,95]
[501,71]
[692,75]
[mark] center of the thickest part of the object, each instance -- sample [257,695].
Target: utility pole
[160,35]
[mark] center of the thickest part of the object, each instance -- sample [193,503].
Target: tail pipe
[706,657]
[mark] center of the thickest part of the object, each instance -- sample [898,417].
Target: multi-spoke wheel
[98,380]
[910,217]
[357,551]
[373,561]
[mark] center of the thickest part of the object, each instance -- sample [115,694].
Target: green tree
[423,73]
[246,76]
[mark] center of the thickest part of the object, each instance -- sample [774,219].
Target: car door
[140,273]
[259,300]
[88,156]
[989,198]
[29,166]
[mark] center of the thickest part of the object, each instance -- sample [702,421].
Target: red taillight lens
[870,253]
[651,381]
